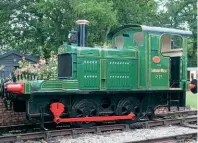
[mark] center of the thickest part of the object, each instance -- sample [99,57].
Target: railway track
[36,124]
[184,112]
[169,139]
[48,135]
[156,123]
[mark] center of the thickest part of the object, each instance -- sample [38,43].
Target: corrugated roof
[31,58]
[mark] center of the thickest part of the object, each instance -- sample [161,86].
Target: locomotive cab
[163,54]
[172,47]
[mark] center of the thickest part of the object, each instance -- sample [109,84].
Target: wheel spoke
[125,112]
[128,105]
[79,112]
[80,115]
[84,108]
[93,112]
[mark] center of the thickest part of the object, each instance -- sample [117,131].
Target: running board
[58,108]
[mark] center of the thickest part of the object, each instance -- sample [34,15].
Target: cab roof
[151,29]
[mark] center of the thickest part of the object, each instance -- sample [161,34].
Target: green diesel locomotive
[146,68]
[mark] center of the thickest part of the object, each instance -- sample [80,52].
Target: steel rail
[47,135]
[64,132]
[188,112]
[172,138]
[165,122]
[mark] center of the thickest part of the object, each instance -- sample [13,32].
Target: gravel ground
[127,136]
[132,135]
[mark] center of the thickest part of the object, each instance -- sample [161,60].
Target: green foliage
[101,17]
[192,54]
[136,11]
[191,99]
[42,70]
[40,26]
[182,14]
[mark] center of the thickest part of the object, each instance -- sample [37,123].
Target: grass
[191,99]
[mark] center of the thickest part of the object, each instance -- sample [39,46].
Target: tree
[182,14]
[136,11]
[40,26]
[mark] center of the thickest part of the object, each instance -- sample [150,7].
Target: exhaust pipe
[82,32]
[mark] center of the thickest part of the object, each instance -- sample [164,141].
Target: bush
[44,69]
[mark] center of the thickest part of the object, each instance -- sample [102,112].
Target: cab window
[171,45]
[119,42]
[176,42]
[138,39]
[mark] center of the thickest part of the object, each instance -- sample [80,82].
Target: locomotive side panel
[89,73]
[88,68]
[107,69]
[158,65]
[121,74]
[121,69]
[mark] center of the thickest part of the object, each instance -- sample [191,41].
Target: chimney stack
[82,32]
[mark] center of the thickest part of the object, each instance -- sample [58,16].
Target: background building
[9,61]
[192,73]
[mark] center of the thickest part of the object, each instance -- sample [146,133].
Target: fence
[27,76]
[5,73]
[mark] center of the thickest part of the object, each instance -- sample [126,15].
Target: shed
[10,60]
[192,73]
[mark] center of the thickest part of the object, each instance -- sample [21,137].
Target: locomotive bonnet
[145,69]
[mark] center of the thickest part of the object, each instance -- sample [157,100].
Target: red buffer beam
[15,88]
[58,108]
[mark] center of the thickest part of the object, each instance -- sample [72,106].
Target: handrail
[32,76]
[173,51]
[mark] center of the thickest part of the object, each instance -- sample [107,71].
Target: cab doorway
[174,72]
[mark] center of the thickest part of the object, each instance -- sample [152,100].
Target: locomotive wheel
[84,108]
[127,106]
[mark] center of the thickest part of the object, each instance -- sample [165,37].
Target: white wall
[193,73]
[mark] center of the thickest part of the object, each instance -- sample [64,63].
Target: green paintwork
[158,77]
[89,77]
[51,85]
[106,76]
[27,88]
[183,66]
[130,68]
[59,85]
